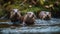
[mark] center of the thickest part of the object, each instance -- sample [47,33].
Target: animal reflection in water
[45,15]
[15,16]
[29,18]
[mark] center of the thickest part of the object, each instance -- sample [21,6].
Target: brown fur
[14,18]
[22,18]
[28,21]
[45,16]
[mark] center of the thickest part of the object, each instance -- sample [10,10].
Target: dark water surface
[41,27]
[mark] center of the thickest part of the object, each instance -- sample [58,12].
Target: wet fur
[28,21]
[45,18]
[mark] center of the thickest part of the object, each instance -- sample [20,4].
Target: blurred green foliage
[7,5]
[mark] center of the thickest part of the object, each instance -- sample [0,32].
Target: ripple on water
[47,22]
[32,29]
[19,30]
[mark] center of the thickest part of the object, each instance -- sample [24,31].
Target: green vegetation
[7,5]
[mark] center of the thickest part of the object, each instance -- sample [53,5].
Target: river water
[41,27]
